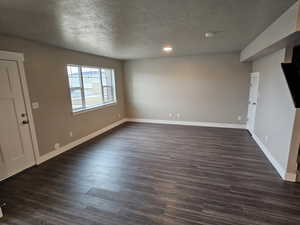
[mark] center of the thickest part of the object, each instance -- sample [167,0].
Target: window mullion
[114,85]
[112,93]
[101,85]
[75,88]
[82,88]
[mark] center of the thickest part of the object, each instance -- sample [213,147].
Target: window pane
[92,86]
[76,99]
[75,86]
[108,85]
[107,77]
[107,94]
[74,76]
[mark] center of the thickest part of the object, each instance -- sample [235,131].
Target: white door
[252,103]
[16,149]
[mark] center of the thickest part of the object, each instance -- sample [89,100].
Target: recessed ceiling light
[167,49]
[210,34]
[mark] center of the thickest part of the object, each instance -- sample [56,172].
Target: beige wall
[204,88]
[275,109]
[48,85]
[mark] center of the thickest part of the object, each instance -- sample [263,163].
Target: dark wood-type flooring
[146,174]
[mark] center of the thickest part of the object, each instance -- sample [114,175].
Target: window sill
[81,111]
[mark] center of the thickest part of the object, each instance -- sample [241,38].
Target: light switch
[35,105]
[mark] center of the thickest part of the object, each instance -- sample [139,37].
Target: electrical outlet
[178,115]
[57,146]
[35,105]
[119,115]
[170,114]
[71,134]
[239,118]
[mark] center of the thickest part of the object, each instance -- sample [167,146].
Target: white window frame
[81,88]
[113,87]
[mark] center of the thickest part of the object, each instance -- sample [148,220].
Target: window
[91,87]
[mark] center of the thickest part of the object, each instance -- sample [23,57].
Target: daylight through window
[91,87]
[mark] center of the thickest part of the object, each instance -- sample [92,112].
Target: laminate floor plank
[151,174]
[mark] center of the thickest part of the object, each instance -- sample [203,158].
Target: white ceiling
[128,29]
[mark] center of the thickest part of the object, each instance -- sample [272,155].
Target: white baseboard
[188,123]
[78,142]
[291,177]
[281,171]
[267,153]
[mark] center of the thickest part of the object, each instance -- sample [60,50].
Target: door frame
[254,74]
[19,59]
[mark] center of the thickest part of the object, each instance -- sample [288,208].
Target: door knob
[25,122]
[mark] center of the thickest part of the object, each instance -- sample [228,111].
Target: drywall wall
[283,30]
[203,88]
[46,74]
[275,113]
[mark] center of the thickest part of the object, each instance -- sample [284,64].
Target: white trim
[29,111]
[95,107]
[291,177]
[254,74]
[268,154]
[281,171]
[249,126]
[13,56]
[79,141]
[190,123]
[19,58]
[109,127]
[99,107]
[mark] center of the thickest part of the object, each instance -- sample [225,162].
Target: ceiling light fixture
[210,34]
[167,49]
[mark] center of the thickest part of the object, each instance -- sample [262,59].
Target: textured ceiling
[129,29]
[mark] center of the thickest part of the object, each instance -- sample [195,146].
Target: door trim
[19,59]
[254,74]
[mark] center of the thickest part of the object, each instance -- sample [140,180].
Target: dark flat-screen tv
[292,75]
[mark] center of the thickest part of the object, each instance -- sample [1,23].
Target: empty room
[149,112]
